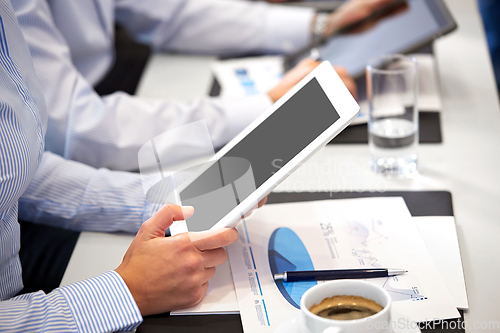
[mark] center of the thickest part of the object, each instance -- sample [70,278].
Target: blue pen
[337,274]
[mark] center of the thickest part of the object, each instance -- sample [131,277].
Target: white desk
[467,163]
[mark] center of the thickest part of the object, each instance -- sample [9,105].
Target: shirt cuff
[242,111]
[102,304]
[288,29]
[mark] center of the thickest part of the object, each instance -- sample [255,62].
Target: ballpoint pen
[336,274]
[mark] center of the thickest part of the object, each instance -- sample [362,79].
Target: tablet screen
[271,145]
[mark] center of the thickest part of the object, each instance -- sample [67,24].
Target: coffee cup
[331,306]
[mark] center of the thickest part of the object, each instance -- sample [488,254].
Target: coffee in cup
[346,307]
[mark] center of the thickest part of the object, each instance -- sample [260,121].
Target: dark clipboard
[420,203]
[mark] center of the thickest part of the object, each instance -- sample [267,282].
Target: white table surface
[466,163]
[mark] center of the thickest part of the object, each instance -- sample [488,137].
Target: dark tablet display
[272,144]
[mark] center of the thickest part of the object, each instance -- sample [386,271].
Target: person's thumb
[162,219]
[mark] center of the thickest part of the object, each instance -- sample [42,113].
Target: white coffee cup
[376,323]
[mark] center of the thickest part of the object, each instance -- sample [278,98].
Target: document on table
[438,233]
[248,76]
[351,233]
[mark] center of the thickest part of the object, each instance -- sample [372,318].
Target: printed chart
[331,234]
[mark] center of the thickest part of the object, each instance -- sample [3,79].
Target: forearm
[108,132]
[123,124]
[216,26]
[100,304]
[71,195]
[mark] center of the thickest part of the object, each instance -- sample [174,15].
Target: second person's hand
[294,75]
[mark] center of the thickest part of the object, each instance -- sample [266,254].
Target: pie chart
[287,253]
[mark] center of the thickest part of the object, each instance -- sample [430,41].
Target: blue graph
[287,253]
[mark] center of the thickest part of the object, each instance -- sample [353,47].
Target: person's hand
[294,75]
[169,273]
[356,10]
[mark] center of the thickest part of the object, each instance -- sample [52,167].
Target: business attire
[71,43]
[44,186]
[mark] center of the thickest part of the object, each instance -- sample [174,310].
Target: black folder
[429,128]
[420,203]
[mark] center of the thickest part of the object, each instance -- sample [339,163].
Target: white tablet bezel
[344,104]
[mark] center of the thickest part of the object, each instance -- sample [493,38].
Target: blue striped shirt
[62,193]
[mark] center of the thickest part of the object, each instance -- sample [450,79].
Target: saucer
[295,324]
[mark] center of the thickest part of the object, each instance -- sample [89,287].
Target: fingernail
[187,210]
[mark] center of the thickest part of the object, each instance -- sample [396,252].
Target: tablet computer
[421,23]
[251,165]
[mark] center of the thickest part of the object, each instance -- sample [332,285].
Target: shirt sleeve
[99,304]
[216,26]
[75,196]
[108,132]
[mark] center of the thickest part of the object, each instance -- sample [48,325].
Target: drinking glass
[392,90]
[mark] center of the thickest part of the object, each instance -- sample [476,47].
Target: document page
[330,234]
